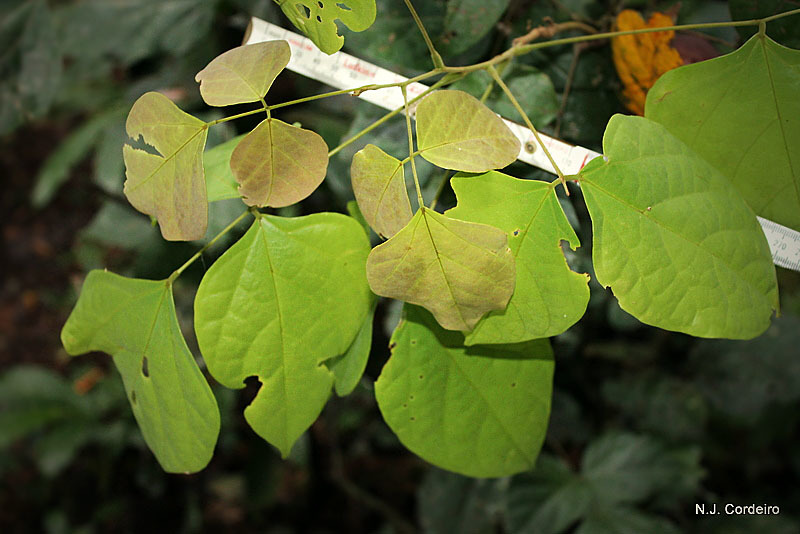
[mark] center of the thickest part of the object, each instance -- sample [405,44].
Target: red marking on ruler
[583,163]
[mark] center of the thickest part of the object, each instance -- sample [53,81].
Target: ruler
[343,71]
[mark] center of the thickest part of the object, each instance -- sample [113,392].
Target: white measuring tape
[344,71]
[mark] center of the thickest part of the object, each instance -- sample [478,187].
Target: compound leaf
[169,185]
[272,307]
[457,270]
[380,189]
[678,246]
[220,183]
[134,320]
[317,19]
[548,297]
[479,411]
[278,164]
[741,113]
[456,131]
[243,74]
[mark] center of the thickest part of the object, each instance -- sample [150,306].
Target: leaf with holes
[278,164]
[456,131]
[457,270]
[271,307]
[317,19]
[243,74]
[134,320]
[169,185]
[548,297]
[479,411]
[380,189]
[741,113]
[708,273]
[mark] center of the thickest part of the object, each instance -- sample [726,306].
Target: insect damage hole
[145,367]
[342,6]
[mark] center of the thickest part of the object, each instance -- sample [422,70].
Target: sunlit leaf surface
[134,320]
[457,270]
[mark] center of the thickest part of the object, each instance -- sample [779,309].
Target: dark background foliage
[645,423]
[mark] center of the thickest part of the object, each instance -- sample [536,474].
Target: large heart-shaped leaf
[380,189]
[480,411]
[675,242]
[278,164]
[456,131]
[243,74]
[317,19]
[548,297]
[271,307]
[169,185]
[134,321]
[457,270]
[741,113]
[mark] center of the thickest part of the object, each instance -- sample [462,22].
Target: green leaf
[455,131]
[220,183]
[58,165]
[678,246]
[380,189]
[30,64]
[741,113]
[548,297]
[243,74]
[271,307]
[626,468]
[169,186]
[478,411]
[548,499]
[278,164]
[349,367]
[134,320]
[457,270]
[467,21]
[453,504]
[317,19]
[355,212]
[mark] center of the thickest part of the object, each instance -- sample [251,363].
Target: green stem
[528,123]
[234,117]
[411,148]
[445,179]
[435,56]
[520,50]
[177,272]
[444,81]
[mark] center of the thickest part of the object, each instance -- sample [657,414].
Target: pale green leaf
[169,186]
[243,74]
[456,131]
[134,320]
[220,183]
[675,242]
[355,212]
[457,270]
[317,19]
[272,307]
[380,189]
[478,411]
[349,367]
[741,113]
[548,297]
[278,164]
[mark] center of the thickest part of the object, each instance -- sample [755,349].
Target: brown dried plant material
[642,58]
